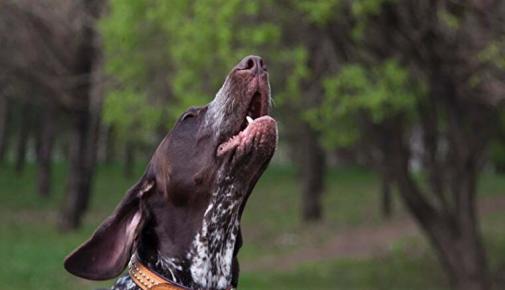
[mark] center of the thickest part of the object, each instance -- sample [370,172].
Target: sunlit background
[390,172]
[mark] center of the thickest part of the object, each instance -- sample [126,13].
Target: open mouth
[256,122]
[258,106]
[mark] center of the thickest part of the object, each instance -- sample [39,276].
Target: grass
[32,250]
[403,272]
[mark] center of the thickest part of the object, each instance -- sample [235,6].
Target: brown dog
[182,219]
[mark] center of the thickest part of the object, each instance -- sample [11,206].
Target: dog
[178,227]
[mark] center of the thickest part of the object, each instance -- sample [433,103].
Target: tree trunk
[23,139]
[386,198]
[79,176]
[458,245]
[454,234]
[86,124]
[129,159]
[45,142]
[499,167]
[463,257]
[458,248]
[312,169]
[3,126]
[110,145]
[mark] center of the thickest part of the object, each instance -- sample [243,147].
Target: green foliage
[322,12]
[449,19]
[297,60]
[132,56]
[170,55]
[123,37]
[127,109]
[378,92]
[178,52]
[364,8]
[494,53]
[207,39]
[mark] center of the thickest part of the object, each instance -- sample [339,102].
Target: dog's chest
[208,263]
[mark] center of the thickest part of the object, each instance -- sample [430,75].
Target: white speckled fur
[211,253]
[125,283]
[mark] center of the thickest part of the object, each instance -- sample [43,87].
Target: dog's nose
[252,63]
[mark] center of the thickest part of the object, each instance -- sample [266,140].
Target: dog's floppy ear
[107,252]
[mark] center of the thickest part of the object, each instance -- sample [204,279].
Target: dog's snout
[252,63]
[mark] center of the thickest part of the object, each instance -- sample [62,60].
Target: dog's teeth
[249,119]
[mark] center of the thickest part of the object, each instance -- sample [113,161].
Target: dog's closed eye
[191,113]
[188,115]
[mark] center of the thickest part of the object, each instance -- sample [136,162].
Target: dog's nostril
[252,63]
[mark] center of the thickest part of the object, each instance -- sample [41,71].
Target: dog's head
[227,143]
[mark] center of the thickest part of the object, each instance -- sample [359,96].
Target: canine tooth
[249,119]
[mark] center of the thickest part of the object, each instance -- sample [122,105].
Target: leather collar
[148,279]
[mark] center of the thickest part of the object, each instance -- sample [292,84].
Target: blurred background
[390,168]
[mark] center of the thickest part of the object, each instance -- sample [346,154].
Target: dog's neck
[208,262]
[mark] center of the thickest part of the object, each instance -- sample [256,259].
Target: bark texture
[45,144]
[23,139]
[312,174]
[4,110]
[129,159]
[85,123]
